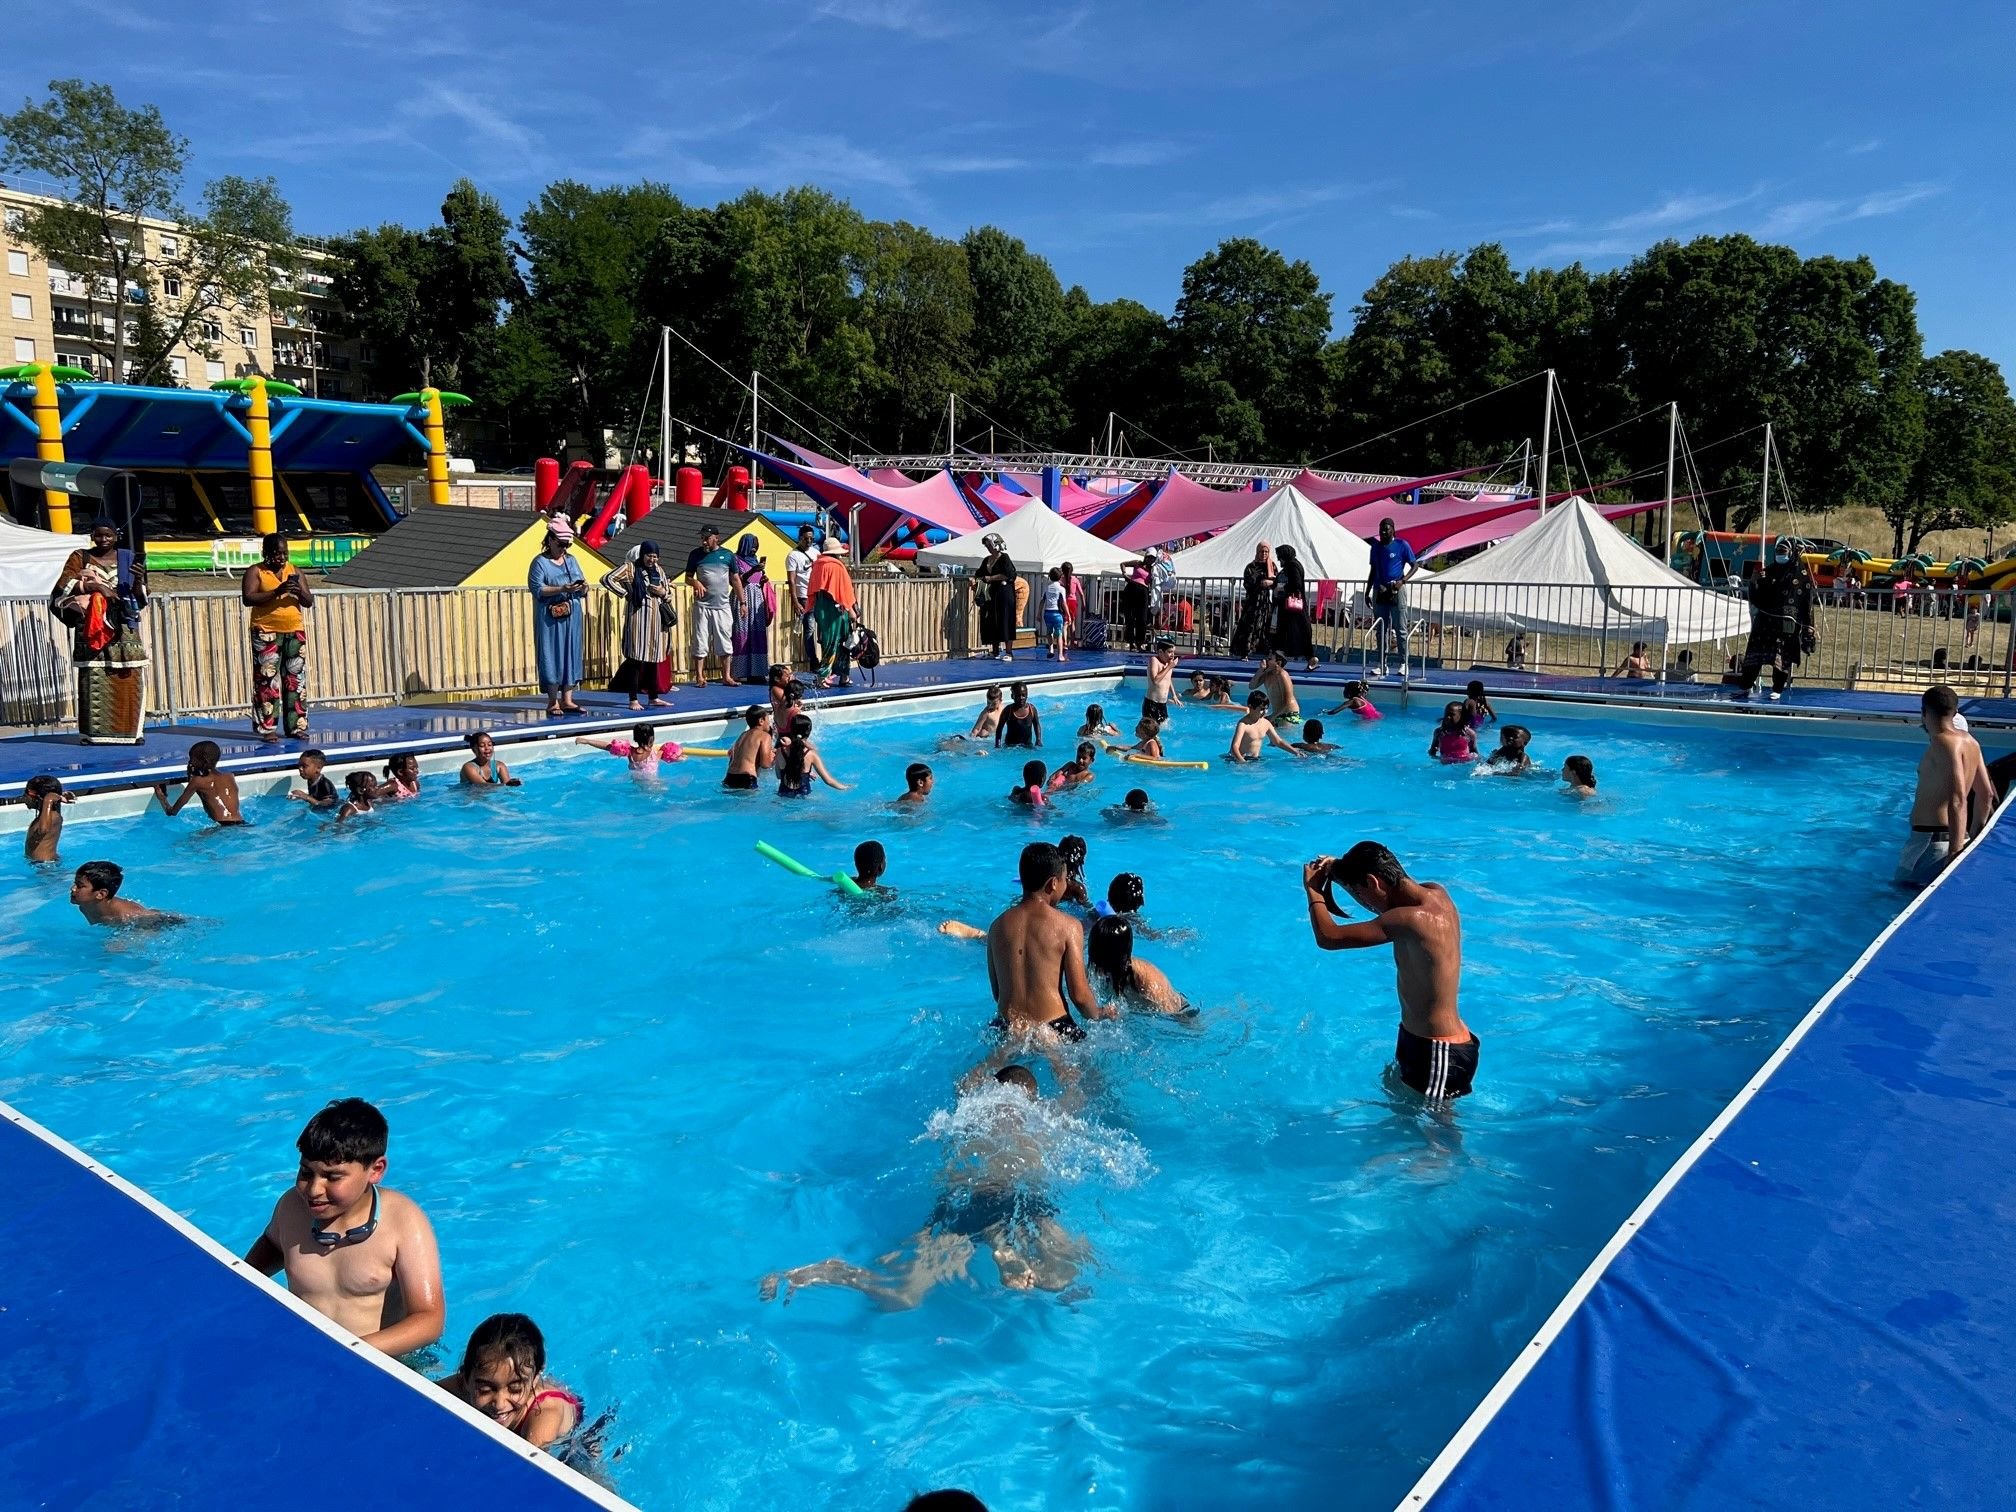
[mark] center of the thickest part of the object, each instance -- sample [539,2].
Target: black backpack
[867,652]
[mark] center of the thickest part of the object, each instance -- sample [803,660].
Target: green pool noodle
[840,880]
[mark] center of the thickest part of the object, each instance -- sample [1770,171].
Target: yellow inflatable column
[49,443]
[259,457]
[431,402]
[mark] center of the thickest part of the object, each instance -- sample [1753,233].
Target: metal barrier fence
[1872,640]
[384,646]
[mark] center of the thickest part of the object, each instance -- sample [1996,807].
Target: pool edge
[423,1389]
[1502,1390]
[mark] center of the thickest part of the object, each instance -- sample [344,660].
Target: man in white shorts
[717,594]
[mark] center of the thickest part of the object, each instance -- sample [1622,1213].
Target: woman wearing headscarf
[994,586]
[1250,635]
[753,614]
[559,639]
[1291,611]
[648,621]
[1134,597]
[99,595]
[831,587]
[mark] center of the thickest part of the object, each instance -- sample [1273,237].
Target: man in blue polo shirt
[1393,563]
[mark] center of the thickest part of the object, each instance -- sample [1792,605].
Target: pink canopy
[1179,507]
[936,500]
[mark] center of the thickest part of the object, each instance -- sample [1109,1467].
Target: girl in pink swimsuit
[503,1377]
[1453,743]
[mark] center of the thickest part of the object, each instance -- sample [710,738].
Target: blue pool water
[630,1068]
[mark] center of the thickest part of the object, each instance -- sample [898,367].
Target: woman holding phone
[276,593]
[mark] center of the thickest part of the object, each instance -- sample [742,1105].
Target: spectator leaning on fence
[276,593]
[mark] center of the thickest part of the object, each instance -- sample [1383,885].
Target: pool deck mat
[1813,1308]
[360,734]
[147,1369]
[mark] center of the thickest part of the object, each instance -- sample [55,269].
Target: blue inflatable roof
[123,425]
[1817,1312]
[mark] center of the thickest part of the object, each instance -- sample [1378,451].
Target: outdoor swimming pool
[630,1068]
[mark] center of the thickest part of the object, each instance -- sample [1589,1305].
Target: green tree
[585,253]
[917,309]
[119,169]
[1110,359]
[1963,470]
[1248,339]
[1018,317]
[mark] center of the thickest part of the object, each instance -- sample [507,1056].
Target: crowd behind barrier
[389,646]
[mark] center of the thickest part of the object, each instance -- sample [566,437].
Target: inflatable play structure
[219,467]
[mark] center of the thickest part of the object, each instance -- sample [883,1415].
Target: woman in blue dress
[754,613]
[559,594]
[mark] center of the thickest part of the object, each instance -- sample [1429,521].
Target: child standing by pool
[503,1376]
[641,750]
[1053,615]
[218,790]
[753,751]
[1452,743]
[798,763]
[44,799]
[360,1254]
[316,790]
[483,769]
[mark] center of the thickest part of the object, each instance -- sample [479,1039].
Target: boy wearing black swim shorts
[753,751]
[1437,1053]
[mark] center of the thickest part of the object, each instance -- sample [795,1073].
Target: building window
[178,369]
[213,370]
[170,246]
[15,219]
[171,286]
[24,348]
[71,359]
[248,337]
[17,264]
[23,309]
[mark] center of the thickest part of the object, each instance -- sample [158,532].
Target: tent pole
[1672,440]
[755,388]
[952,425]
[1546,439]
[1109,433]
[665,415]
[1764,517]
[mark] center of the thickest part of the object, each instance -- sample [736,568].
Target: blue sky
[1123,139]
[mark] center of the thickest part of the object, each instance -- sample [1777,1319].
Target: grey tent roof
[676,528]
[436,546]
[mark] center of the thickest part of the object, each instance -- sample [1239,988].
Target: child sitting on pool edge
[360,1254]
[640,750]
[503,1376]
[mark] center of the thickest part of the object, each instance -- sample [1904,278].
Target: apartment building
[47,316]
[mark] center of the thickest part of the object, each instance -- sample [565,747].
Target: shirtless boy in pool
[360,1254]
[1954,796]
[1437,1053]
[1035,955]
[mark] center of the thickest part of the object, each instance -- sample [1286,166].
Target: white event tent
[1286,517]
[30,558]
[1572,571]
[1037,538]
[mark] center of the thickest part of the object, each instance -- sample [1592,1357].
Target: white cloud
[491,127]
[1811,214]
[1680,210]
